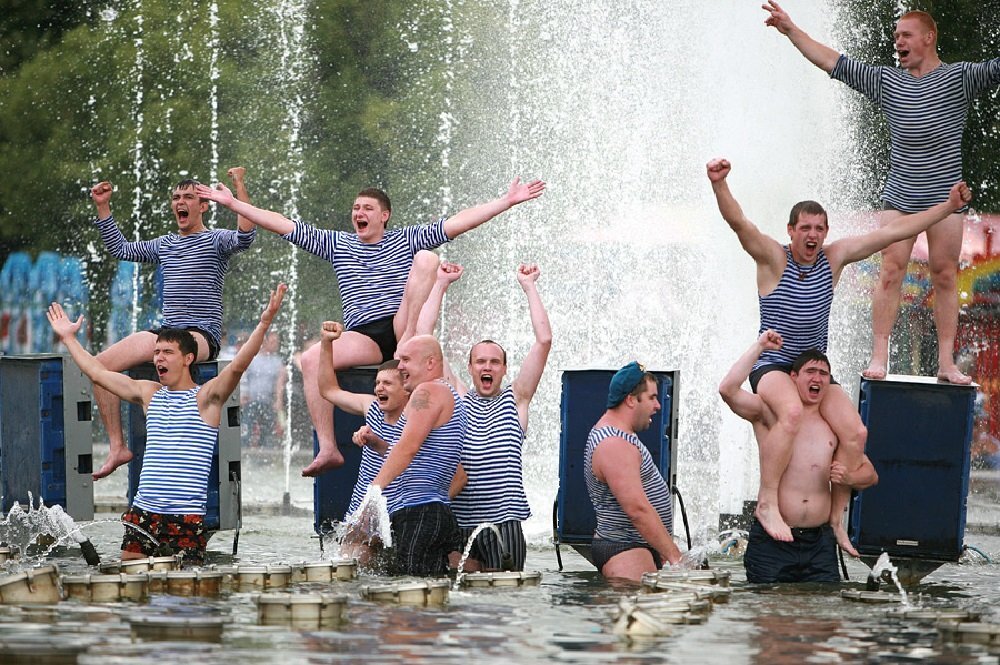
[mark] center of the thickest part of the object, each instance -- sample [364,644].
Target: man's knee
[309,360]
[892,272]
[425,265]
[790,418]
[944,276]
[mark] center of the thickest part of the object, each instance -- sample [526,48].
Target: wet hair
[806,208]
[924,19]
[184,184]
[503,351]
[185,341]
[641,387]
[809,356]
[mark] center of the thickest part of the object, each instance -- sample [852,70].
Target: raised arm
[236,174]
[353,403]
[447,274]
[745,404]
[616,462]
[764,250]
[526,383]
[422,412]
[819,54]
[266,219]
[100,194]
[470,218]
[124,387]
[855,248]
[217,390]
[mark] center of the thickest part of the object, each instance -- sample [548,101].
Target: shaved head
[420,360]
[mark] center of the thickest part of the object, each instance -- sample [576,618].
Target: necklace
[803,273]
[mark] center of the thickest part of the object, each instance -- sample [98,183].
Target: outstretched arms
[271,221]
[139,392]
[855,248]
[746,405]
[764,250]
[526,383]
[819,54]
[236,174]
[470,218]
[329,388]
[217,390]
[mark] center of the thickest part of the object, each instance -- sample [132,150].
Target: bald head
[420,360]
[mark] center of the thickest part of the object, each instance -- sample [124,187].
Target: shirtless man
[383,276]
[194,262]
[804,492]
[795,289]
[925,103]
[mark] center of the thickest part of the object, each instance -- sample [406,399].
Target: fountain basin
[105,588]
[200,629]
[302,610]
[36,585]
[512,579]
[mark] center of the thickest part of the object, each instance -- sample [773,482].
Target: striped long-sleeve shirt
[371,277]
[194,270]
[926,118]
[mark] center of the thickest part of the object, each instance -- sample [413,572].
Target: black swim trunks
[423,536]
[810,557]
[382,333]
[601,551]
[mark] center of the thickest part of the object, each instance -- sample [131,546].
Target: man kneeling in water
[804,490]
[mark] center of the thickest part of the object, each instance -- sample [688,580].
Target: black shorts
[213,346]
[489,550]
[382,333]
[758,374]
[184,534]
[602,550]
[422,538]
[810,557]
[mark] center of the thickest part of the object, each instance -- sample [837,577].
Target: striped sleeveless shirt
[178,457]
[799,309]
[926,118]
[371,277]
[429,474]
[491,456]
[612,522]
[371,461]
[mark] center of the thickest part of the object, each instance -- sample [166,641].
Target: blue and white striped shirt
[491,457]
[612,522]
[371,461]
[428,476]
[178,457]
[371,277]
[799,309]
[194,270]
[926,118]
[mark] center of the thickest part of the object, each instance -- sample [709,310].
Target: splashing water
[365,526]
[468,549]
[23,528]
[694,559]
[883,565]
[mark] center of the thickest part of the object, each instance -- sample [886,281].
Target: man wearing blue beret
[630,497]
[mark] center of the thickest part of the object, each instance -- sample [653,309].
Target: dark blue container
[45,433]
[584,401]
[919,437]
[332,490]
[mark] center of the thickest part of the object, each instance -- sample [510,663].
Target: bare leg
[124,354]
[630,565]
[780,395]
[944,241]
[843,418]
[418,286]
[885,300]
[351,350]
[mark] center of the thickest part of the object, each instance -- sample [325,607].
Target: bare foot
[772,522]
[325,460]
[952,375]
[876,370]
[843,540]
[115,459]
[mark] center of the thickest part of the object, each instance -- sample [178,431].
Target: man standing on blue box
[925,103]
[631,499]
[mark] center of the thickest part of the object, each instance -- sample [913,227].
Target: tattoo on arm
[420,400]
